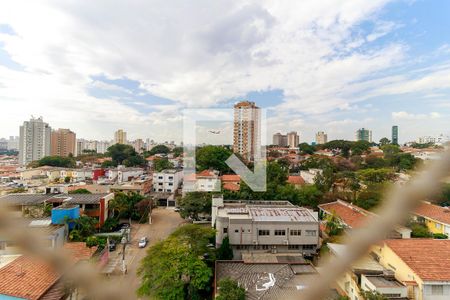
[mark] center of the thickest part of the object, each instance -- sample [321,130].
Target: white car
[143,242]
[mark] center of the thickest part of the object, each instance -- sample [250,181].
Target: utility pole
[124,243]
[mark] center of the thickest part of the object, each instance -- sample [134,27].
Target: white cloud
[198,54]
[403,115]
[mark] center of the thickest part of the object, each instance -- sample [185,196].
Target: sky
[333,66]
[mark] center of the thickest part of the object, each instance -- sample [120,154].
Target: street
[164,222]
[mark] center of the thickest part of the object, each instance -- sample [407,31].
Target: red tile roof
[351,215]
[296,180]
[437,213]
[231,178]
[206,173]
[428,258]
[27,277]
[230,186]
[78,251]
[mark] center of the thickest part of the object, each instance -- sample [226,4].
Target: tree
[225,252]
[390,150]
[125,155]
[57,161]
[419,230]
[305,148]
[195,203]
[213,157]
[67,179]
[85,226]
[333,225]
[371,196]
[159,149]
[360,147]
[373,295]
[125,206]
[404,161]
[177,151]
[162,164]
[179,267]
[376,162]
[384,141]
[80,191]
[376,175]
[230,290]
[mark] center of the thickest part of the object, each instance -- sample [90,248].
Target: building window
[437,290]
[225,230]
[392,267]
[265,247]
[236,230]
[438,226]
[280,232]
[170,177]
[310,233]
[309,247]
[170,184]
[295,232]
[263,232]
[293,247]
[160,177]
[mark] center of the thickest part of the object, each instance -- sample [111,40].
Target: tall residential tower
[321,138]
[34,140]
[363,134]
[120,137]
[247,130]
[395,135]
[63,142]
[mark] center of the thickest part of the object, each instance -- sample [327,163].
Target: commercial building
[265,227]
[247,130]
[363,134]
[34,141]
[120,137]
[321,138]
[63,142]
[421,264]
[394,135]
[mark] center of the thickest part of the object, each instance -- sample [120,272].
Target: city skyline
[365,67]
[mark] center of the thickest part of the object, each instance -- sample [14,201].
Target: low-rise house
[205,181]
[32,278]
[296,180]
[309,175]
[123,174]
[436,218]
[231,182]
[265,226]
[353,217]
[367,275]
[421,264]
[140,186]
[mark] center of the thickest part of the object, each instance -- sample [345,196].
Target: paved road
[164,222]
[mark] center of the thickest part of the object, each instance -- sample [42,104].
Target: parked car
[112,246]
[177,209]
[143,242]
[124,225]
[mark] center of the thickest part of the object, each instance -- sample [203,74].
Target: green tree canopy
[125,155]
[162,164]
[213,157]
[57,161]
[230,290]
[384,141]
[159,149]
[305,148]
[225,252]
[195,203]
[177,151]
[176,268]
[126,206]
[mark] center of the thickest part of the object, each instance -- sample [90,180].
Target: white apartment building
[265,227]
[34,141]
[123,174]
[167,181]
[205,181]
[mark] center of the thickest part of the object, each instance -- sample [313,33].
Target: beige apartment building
[63,142]
[321,138]
[247,130]
[265,227]
[120,137]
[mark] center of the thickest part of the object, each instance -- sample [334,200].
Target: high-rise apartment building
[292,139]
[363,134]
[280,140]
[247,130]
[120,137]
[139,145]
[321,138]
[34,141]
[13,143]
[64,142]
[395,135]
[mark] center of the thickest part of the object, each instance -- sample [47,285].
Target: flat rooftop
[381,281]
[260,211]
